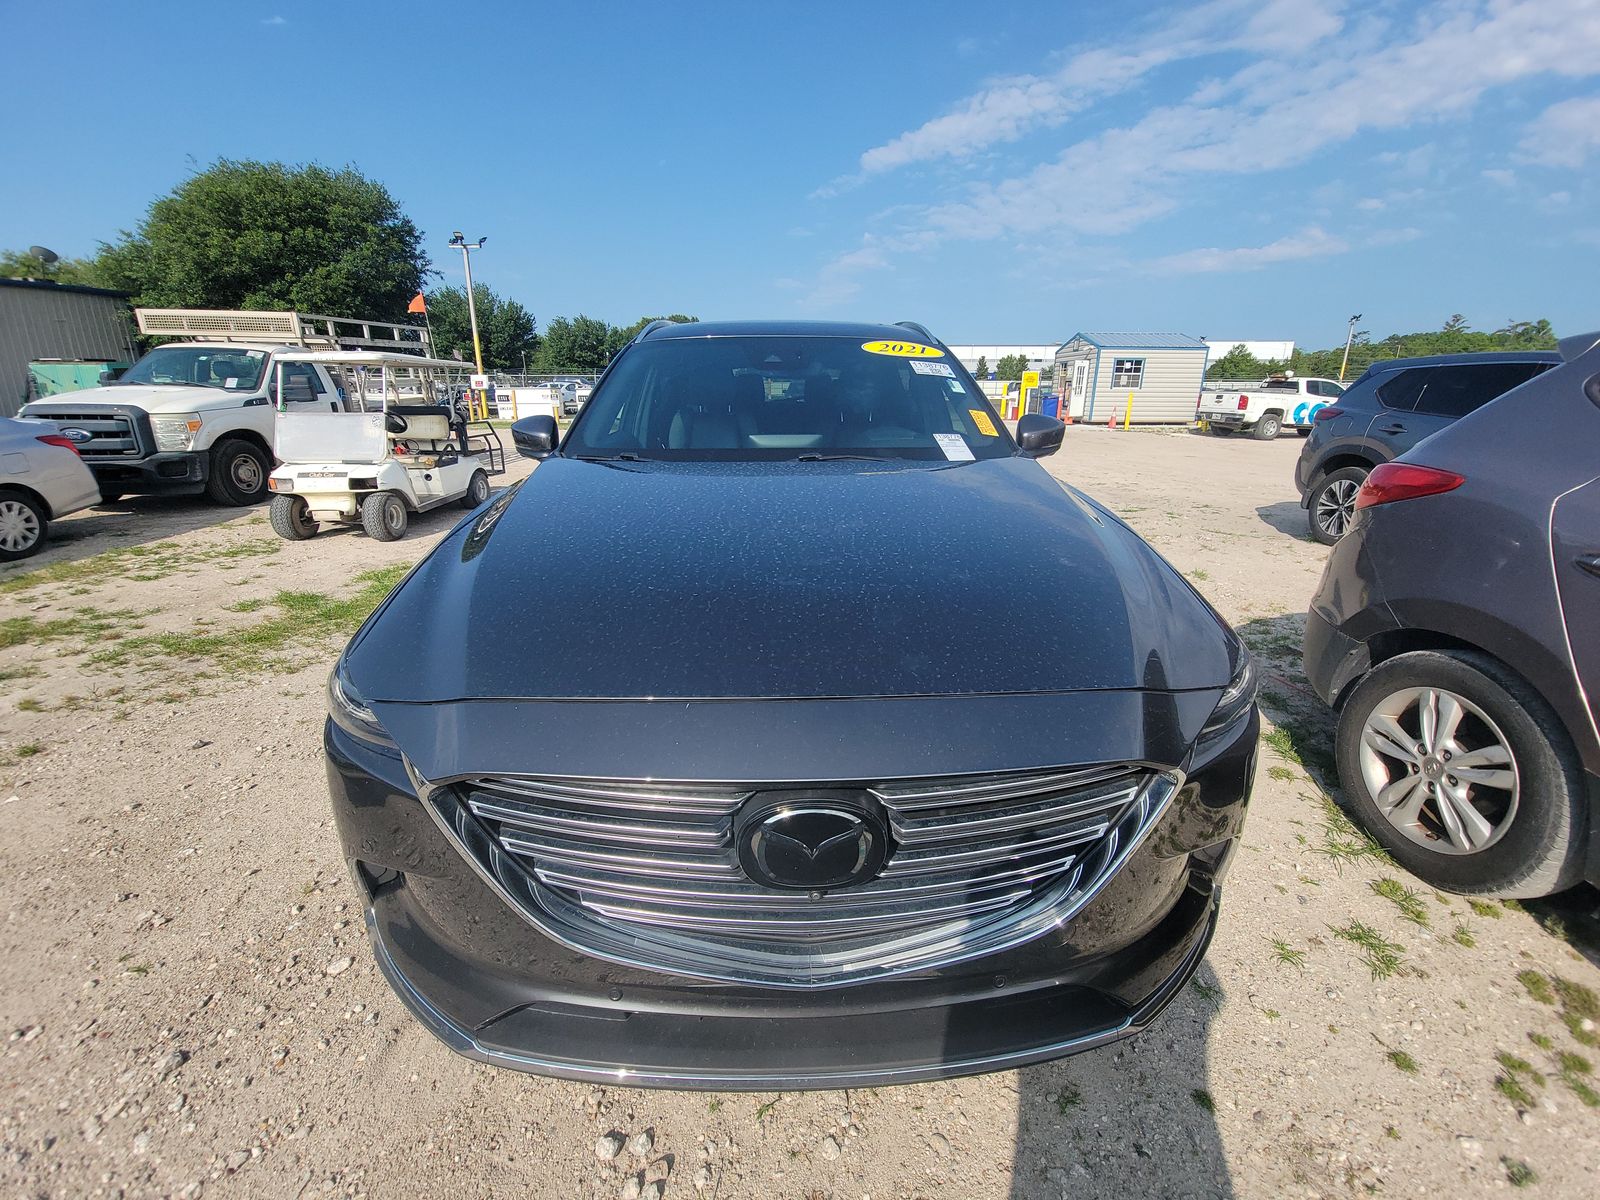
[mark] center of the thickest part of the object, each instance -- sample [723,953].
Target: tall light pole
[1349,337]
[466,247]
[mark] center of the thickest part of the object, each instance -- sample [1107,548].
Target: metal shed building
[41,320]
[1160,374]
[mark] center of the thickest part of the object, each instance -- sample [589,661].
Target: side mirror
[535,437]
[1039,435]
[110,375]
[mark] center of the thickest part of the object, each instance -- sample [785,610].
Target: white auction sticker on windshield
[232,381]
[932,368]
[954,446]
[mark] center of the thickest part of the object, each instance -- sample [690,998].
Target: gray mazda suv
[1457,630]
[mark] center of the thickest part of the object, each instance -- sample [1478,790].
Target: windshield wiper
[843,458]
[624,456]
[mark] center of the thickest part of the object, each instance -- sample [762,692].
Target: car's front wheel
[1333,504]
[22,526]
[239,471]
[1461,771]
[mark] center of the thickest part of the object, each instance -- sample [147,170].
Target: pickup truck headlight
[349,711]
[1236,699]
[175,432]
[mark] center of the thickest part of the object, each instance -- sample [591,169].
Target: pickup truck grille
[650,872]
[111,435]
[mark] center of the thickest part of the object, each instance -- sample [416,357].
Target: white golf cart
[395,443]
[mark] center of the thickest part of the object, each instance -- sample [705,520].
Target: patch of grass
[1402,1061]
[1068,1098]
[1203,1100]
[1381,956]
[28,750]
[25,671]
[1390,1132]
[1541,1040]
[1342,839]
[713,1104]
[247,606]
[1462,935]
[1484,909]
[29,704]
[143,563]
[1280,772]
[1578,1005]
[1407,900]
[88,625]
[1287,955]
[1537,986]
[1200,576]
[303,617]
[1277,738]
[1518,1173]
[764,1110]
[1518,1073]
[1208,992]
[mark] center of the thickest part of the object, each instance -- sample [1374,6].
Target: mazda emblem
[811,844]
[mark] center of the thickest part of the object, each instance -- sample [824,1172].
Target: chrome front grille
[111,435]
[649,873]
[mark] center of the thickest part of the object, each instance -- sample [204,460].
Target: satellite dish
[43,254]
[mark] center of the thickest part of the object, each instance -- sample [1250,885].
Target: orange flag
[417,305]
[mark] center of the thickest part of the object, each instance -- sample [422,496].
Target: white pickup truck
[196,414]
[1266,407]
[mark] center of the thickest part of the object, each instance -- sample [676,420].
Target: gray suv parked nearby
[1388,410]
[1457,629]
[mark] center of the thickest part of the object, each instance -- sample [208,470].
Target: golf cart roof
[371,358]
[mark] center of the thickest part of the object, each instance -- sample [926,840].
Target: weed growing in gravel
[1203,1098]
[1406,899]
[1572,1068]
[1068,1098]
[26,671]
[1537,986]
[1463,936]
[1518,1173]
[1200,576]
[142,563]
[245,606]
[1342,840]
[1541,1040]
[1484,909]
[1280,772]
[1389,1131]
[28,750]
[87,624]
[29,704]
[1518,1073]
[765,1110]
[1210,993]
[1402,1061]
[1287,955]
[1381,955]
[713,1104]
[1580,1009]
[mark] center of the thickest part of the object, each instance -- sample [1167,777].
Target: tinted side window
[1456,391]
[1400,390]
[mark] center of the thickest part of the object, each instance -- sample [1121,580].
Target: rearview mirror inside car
[535,437]
[1039,435]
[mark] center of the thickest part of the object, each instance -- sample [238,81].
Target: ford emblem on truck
[77,436]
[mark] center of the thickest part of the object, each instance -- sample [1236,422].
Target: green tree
[576,344]
[1011,366]
[982,370]
[619,336]
[508,331]
[270,236]
[1239,363]
[19,264]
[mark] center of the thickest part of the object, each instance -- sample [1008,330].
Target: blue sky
[1015,173]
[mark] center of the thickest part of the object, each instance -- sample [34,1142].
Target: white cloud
[274,20]
[1313,242]
[1564,134]
[1500,177]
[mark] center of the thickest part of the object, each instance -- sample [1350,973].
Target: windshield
[772,398]
[200,366]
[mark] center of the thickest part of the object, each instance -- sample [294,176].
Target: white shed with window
[1159,374]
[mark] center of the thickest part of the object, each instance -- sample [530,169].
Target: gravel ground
[191,1008]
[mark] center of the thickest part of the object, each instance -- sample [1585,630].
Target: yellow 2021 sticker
[982,421]
[902,349]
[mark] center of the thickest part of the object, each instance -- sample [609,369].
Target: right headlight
[175,432]
[1236,698]
[349,711]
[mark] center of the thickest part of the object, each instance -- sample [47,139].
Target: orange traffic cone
[1112,422]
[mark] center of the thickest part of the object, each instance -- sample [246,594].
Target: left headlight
[175,432]
[1236,698]
[349,711]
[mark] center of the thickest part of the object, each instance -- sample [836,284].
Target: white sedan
[41,478]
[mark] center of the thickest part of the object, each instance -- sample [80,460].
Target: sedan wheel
[22,526]
[1461,770]
[1333,504]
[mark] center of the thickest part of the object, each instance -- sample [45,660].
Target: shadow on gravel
[1132,1119]
[134,521]
[1286,516]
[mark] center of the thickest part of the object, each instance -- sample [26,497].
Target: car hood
[788,580]
[150,398]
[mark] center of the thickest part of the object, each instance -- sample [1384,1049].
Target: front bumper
[170,473]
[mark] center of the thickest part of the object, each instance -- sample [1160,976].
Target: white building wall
[1168,393]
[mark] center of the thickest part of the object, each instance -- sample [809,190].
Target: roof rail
[920,330]
[651,328]
[301,329]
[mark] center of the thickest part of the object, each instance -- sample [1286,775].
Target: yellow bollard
[1127,417]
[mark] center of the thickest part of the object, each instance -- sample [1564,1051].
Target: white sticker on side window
[932,368]
[954,446]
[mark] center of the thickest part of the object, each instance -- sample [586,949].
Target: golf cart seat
[420,422]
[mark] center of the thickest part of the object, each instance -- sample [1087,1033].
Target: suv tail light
[1326,414]
[1244,402]
[1405,481]
[56,439]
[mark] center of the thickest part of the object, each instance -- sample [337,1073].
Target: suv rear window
[1454,391]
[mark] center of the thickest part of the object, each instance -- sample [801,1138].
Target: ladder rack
[299,329]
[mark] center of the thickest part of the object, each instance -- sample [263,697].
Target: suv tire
[1538,839]
[384,516]
[1331,505]
[1267,427]
[239,471]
